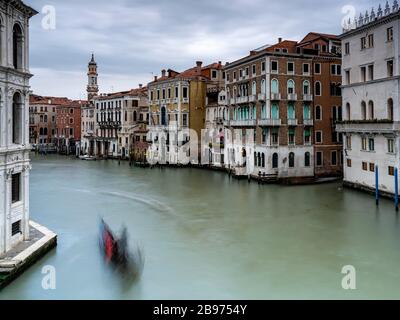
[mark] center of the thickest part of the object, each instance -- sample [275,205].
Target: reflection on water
[208,236]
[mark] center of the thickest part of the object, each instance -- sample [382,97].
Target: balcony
[292,96]
[307,97]
[252,98]
[185,100]
[243,123]
[308,122]
[233,101]
[241,100]
[292,122]
[275,96]
[261,97]
[270,122]
[227,123]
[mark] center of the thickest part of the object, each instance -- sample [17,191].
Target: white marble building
[14,123]
[371,99]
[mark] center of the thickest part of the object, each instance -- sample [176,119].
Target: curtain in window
[274,86]
[306,112]
[291,112]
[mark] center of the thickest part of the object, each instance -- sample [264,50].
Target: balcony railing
[292,122]
[307,97]
[233,101]
[308,122]
[243,123]
[270,122]
[227,123]
[292,96]
[367,126]
[261,96]
[252,98]
[243,99]
[275,96]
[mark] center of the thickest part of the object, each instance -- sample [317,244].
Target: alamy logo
[49,280]
[349,280]
[49,19]
[349,12]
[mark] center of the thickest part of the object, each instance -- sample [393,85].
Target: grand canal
[206,236]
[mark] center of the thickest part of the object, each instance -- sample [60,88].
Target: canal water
[206,236]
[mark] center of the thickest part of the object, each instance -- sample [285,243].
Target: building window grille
[16,188]
[16,228]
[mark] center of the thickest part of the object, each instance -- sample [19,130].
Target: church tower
[92,87]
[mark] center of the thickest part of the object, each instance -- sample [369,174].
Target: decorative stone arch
[363,110]
[348,111]
[390,115]
[17,117]
[18,41]
[371,111]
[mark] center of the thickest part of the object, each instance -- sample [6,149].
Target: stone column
[2,210]
[25,197]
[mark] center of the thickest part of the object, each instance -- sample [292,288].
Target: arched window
[318,89]
[17,119]
[371,113]
[259,159]
[275,111]
[334,113]
[17,46]
[390,109]
[274,86]
[363,110]
[290,87]
[307,158]
[135,116]
[318,113]
[126,116]
[263,160]
[263,88]
[291,160]
[264,112]
[275,161]
[306,87]
[41,131]
[348,111]
[255,159]
[163,116]
[45,131]
[254,88]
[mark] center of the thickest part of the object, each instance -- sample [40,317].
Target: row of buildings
[324,106]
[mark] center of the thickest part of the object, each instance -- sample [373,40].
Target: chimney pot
[163,72]
[279,40]
[140,85]
[155,78]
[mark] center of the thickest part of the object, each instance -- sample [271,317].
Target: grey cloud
[131,39]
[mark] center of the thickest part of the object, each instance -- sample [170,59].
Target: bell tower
[92,87]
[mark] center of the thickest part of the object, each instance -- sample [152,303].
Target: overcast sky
[132,40]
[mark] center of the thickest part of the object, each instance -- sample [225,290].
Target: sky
[134,40]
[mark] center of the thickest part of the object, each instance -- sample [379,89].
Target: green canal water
[206,236]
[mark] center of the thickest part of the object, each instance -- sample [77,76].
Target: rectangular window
[163,94]
[390,143]
[391,171]
[253,70]
[363,143]
[370,41]
[318,136]
[363,43]
[319,159]
[263,66]
[240,73]
[306,68]
[214,74]
[349,163]
[371,144]
[176,92]
[333,158]
[234,76]
[363,74]
[336,69]
[291,137]
[247,71]
[227,77]
[274,66]
[347,76]
[184,120]
[290,68]
[372,167]
[389,34]
[274,137]
[169,93]
[390,68]
[347,48]
[16,188]
[371,72]
[16,228]
[365,166]
[317,68]
[185,92]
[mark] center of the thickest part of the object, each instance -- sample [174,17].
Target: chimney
[140,86]
[198,67]
[155,78]
[163,72]
[279,40]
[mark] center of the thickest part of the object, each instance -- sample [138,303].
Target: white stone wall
[378,91]
[14,158]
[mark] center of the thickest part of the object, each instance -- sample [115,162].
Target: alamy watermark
[50,277]
[49,21]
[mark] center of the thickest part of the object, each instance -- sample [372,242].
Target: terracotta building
[68,123]
[280,109]
[42,118]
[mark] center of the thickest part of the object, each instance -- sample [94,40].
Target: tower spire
[92,87]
